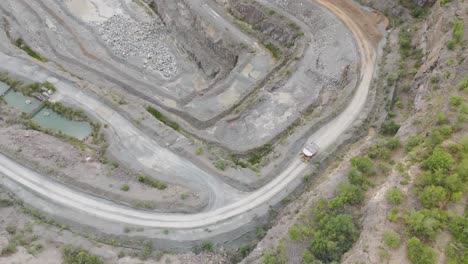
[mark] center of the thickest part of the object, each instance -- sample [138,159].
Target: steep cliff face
[211,48]
[273,30]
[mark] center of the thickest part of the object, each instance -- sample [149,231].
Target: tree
[394,196]
[418,253]
[391,239]
[433,196]
[335,236]
[439,160]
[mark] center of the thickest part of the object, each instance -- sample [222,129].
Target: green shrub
[275,50]
[347,194]
[158,115]
[334,237]
[79,256]
[418,253]
[426,223]
[152,182]
[463,84]
[205,246]
[294,233]
[458,226]
[413,141]
[146,250]
[124,187]
[356,177]
[393,215]
[439,160]
[9,249]
[457,30]
[363,164]
[391,239]
[455,101]
[433,196]
[22,45]
[220,165]
[394,196]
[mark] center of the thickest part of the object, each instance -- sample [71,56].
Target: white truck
[309,151]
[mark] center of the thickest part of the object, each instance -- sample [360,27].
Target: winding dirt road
[225,216]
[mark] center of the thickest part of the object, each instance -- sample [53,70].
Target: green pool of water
[55,122]
[19,101]
[3,88]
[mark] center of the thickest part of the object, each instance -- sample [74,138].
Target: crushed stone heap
[129,38]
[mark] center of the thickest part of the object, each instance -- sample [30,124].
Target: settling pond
[44,117]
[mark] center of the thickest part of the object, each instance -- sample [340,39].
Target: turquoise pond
[55,122]
[21,102]
[46,118]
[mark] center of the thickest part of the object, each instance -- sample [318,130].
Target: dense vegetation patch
[73,255]
[26,48]
[152,182]
[158,115]
[330,228]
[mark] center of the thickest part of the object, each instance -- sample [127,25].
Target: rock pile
[129,38]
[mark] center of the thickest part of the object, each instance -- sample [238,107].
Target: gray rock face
[211,48]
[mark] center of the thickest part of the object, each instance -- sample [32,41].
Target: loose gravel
[129,38]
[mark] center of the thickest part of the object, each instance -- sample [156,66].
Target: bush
[79,256]
[394,196]
[146,250]
[158,115]
[391,239]
[294,233]
[356,177]
[152,182]
[275,50]
[439,160]
[124,187]
[363,164]
[347,194]
[9,249]
[22,45]
[426,223]
[418,253]
[457,30]
[433,196]
[463,84]
[393,215]
[458,226]
[413,141]
[455,101]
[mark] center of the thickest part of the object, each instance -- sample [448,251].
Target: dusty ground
[53,238]
[67,163]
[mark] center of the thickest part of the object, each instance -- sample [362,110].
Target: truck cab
[309,151]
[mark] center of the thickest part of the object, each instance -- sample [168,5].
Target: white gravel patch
[128,38]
